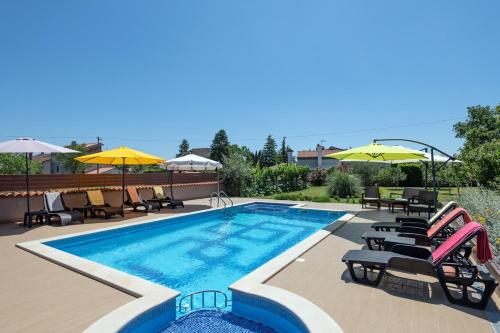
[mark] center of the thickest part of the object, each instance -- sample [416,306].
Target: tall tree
[243,151]
[482,126]
[68,160]
[481,149]
[283,151]
[16,164]
[220,146]
[269,156]
[183,149]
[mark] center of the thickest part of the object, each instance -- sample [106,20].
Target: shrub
[236,175]
[318,176]
[343,185]
[343,168]
[484,206]
[279,178]
[289,196]
[389,177]
[366,171]
[413,172]
[452,175]
[291,176]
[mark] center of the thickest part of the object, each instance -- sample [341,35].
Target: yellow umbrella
[121,156]
[378,152]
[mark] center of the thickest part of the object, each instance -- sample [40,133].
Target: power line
[377,128]
[352,131]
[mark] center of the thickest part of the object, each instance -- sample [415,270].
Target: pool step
[201,300]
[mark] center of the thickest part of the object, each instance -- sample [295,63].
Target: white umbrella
[27,146]
[192,162]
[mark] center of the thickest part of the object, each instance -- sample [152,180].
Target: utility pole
[98,145]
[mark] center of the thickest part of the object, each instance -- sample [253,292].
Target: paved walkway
[404,303]
[40,296]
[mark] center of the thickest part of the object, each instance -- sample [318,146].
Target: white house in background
[316,158]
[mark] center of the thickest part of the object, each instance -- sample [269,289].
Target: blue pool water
[209,250]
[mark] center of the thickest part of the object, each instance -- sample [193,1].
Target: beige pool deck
[40,296]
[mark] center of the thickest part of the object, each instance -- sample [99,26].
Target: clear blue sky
[148,73]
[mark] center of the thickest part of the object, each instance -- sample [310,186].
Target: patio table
[40,217]
[400,202]
[84,210]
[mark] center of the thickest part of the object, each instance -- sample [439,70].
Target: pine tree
[183,148]
[220,146]
[269,156]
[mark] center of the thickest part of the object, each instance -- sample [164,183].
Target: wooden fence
[46,182]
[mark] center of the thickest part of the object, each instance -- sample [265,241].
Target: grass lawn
[320,194]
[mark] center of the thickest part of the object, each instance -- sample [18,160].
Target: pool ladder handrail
[223,195]
[220,198]
[203,306]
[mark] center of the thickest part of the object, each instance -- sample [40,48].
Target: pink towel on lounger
[463,234]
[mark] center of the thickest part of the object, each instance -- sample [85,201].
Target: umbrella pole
[218,181]
[172,184]
[426,174]
[433,178]
[123,185]
[27,185]
[218,187]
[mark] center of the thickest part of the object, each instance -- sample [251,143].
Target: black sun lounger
[159,196]
[368,267]
[411,221]
[440,229]
[54,205]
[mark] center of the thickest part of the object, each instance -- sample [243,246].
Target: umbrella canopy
[121,156]
[27,146]
[437,158]
[193,162]
[378,152]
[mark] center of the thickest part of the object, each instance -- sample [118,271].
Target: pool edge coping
[254,283]
[150,295]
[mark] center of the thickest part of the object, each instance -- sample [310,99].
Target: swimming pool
[208,250]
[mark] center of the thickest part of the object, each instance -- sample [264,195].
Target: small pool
[207,250]
[204,321]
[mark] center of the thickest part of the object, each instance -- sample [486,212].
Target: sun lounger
[98,206]
[159,196]
[54,205]
[414,221]
[135,200]
[440,229]
[368,267]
